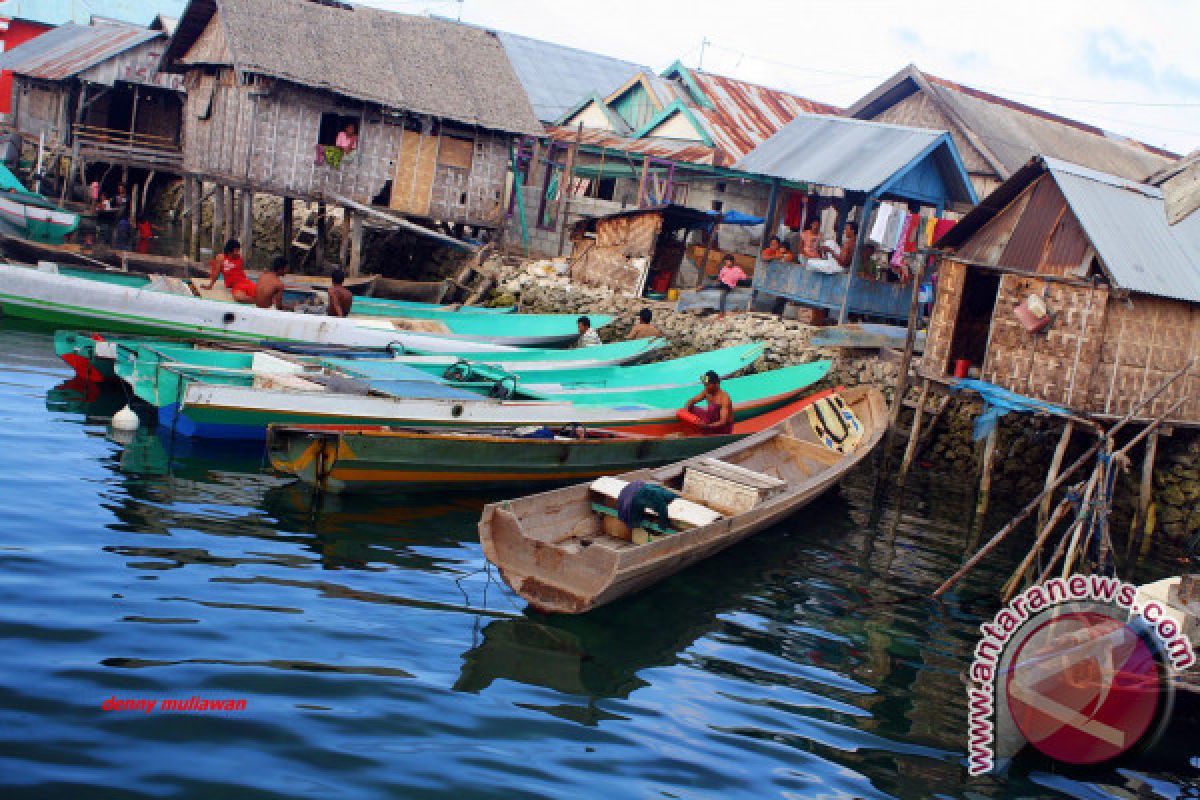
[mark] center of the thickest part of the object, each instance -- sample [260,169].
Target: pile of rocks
[786,342]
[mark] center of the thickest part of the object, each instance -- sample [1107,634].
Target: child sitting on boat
[230,266]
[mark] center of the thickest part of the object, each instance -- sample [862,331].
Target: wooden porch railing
[144,150]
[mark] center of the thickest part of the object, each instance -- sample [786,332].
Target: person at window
[587,335]
[121,200]
[727,280]
[347,138]
[716,415]
[810,239]
[643,328]
[340,299]
[229,265]
[776,251]
[269,292]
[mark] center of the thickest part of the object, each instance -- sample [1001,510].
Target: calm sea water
[378,657]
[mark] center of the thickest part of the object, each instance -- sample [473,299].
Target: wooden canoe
[552,548]
[340,458]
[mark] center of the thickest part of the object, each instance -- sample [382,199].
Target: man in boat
[717,414]
[269,292]
[643,328]
[340,298]
[230,266]
[587,336]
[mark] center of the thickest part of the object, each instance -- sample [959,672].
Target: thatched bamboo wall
[42,108]
[1101,355]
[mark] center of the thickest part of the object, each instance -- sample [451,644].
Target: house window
[717,205]
[332,125]
[606,189]
[720,187]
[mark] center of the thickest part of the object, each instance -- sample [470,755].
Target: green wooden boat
[159,374]
[356,459]
[543,377]
[92,356]
[28,215]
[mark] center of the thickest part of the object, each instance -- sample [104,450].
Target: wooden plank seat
[683,514]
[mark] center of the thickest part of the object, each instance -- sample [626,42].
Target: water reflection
[382,658]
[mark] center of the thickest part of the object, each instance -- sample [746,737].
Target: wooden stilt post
[133,205]
[322,224]
[985,477]
[344,252]
[218,219]
[288,212]
[915,432]
[194,223]
[227,223]
[1143,521]
[247,223]
[1060,453]
[356,245]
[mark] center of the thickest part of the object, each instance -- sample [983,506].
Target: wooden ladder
[306,236]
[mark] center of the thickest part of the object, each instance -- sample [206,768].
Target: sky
[1130,68]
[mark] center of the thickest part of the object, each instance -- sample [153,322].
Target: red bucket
[961,367]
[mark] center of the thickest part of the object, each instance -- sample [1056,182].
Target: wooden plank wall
[606,262]
[270,142]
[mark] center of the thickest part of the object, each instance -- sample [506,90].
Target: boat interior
[781,461]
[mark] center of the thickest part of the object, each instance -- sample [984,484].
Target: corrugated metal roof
[1127,224]
[680,150]
[747,114]
[834,151]
[70,49]
[57,12]
[556,77]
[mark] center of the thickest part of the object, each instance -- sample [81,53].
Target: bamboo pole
[914,433]
[1022,569]
[985,477]
[356,245]
[247,223]
[1060,452]
[1145,491]
[1029,508]
[286,227]
[344,249]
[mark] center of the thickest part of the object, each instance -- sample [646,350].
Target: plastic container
[962,367]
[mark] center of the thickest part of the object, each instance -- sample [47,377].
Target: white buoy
[125,420]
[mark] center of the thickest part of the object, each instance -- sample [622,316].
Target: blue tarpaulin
[998,401]
[733,217]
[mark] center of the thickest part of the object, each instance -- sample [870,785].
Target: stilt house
[270,84]
[1114,263]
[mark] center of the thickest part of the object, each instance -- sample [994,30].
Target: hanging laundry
[829,222]
[880,225]
[942,227]
[793,210]
[930,225]
[911,229]
[895,225]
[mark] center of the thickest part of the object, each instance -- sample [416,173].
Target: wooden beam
[1143,521]
[1056,461]
[194,200]
[985,477]
[288,213]
[322,225]
[910,451]
[395,219]
[247,223]
[344,252]
[230,198]
[218,219]
[356,245]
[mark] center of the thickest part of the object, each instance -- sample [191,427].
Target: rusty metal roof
[1125,221]
[66,51]
[746,114]
[671,149]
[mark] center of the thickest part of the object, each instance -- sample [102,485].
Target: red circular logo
[1083,687]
